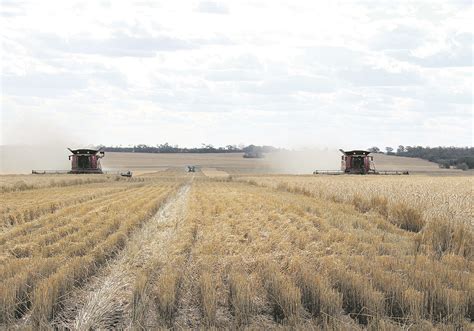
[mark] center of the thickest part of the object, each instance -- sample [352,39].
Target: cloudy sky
[285,73]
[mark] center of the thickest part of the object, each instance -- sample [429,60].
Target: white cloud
[212,7]
[225,72]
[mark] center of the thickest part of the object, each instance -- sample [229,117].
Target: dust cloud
[38,145]
[34,145]
[304,161]
[23,159]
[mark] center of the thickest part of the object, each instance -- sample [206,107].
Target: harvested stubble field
[15,183]
[206,250]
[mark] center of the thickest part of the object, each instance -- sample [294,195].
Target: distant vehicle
[126,174]
[253,155]
[191,168]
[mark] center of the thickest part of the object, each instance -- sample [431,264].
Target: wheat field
[177,250]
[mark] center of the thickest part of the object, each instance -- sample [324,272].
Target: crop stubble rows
[243,256]
[45,257]
[300,260]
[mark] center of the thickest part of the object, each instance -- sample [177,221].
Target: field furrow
[107,303]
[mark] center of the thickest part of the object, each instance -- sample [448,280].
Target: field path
[106,302]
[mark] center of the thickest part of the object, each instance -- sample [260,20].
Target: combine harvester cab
[86,161]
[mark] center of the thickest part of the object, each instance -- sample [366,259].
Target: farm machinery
[84,161]
[358,162]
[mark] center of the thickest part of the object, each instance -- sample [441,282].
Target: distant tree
[462,166]
[444,164]
[468,161]
[205,148]
[389,150]
[446,157]
[374,149]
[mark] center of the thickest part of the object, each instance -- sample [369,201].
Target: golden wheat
[63,251]
[349,262]
[259,252]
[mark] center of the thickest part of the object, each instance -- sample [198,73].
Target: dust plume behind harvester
[358,162]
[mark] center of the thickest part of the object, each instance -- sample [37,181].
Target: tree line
[446,157]
[205,148]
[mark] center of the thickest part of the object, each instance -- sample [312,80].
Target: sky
[349,74]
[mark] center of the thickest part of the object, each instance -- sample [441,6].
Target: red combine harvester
[84,161]
[358,162]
